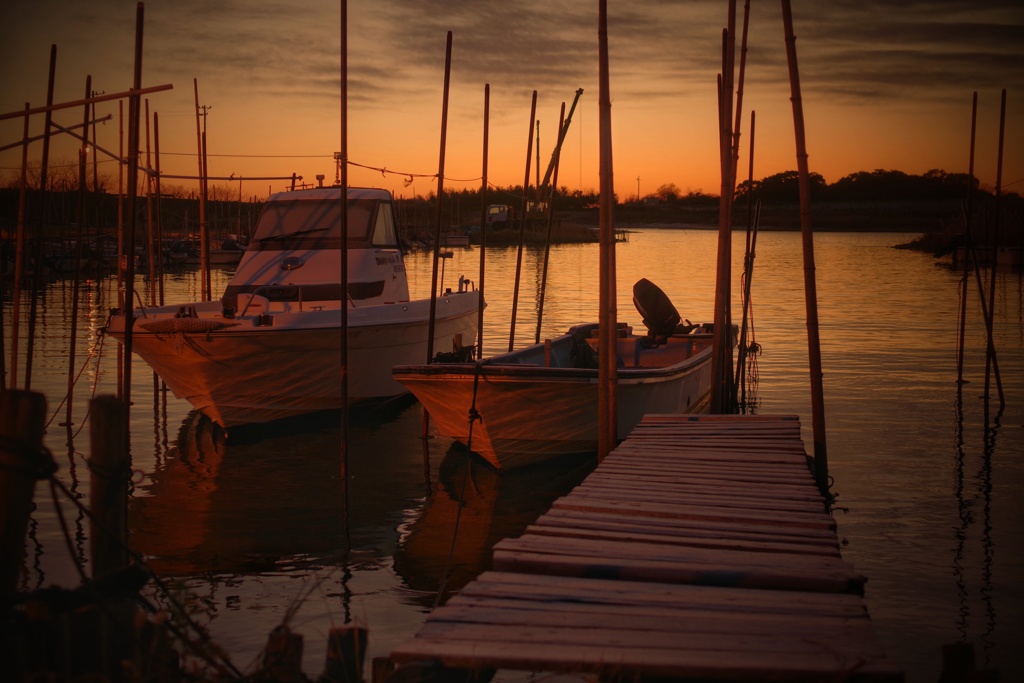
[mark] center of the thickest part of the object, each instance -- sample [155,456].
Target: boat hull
[259,368]
[529,413]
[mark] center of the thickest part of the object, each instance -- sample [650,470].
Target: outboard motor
[659,315]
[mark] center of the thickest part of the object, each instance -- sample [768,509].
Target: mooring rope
[474,415]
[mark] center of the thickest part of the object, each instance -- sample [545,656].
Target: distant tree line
[179,208]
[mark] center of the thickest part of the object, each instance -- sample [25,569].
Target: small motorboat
[541,401]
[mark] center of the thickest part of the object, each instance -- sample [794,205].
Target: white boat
[270,348]
[542,401]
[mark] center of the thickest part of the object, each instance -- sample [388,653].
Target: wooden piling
[483,225]
[440,195]
[109,467]
[810,285]
[282,657]
[346,650]
[22,461]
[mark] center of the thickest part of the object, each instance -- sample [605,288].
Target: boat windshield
[316,224]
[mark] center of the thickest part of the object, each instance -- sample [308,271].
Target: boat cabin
[294,254]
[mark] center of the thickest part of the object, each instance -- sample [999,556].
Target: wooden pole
[343,266]
[151,255]
[202,193]
[21,462]
[547,239]
[19,256]
[109,467]
[990,356]
[968,245]
[204,236]
[748,271]
[440,195]
[37,270]
[608,320]
[810,286]
[83,157]
[721,364]
[522,228]
[282,656]
[346,652]
[483,225]
[51,107]
[130,229]
[123,303]
[159,219]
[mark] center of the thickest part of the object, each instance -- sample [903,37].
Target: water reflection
[472,506]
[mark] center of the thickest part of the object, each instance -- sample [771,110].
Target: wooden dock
[699,549]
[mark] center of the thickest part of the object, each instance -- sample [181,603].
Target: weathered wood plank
[765,491]
[561,590]
[692,540]
[666,525]
[679,564]
[693,496]
[678,662]
[683,511]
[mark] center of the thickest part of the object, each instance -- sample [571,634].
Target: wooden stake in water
[83,155]
[810,286]
[522,228]
[608,318]
[21,439]
[109,468]
[483,226]
[440,194]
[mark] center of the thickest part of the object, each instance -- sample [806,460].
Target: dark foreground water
[249,530]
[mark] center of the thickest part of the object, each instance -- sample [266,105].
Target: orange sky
[884,86]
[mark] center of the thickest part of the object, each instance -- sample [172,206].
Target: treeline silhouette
[227,212]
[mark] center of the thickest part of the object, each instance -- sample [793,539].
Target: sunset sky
[886,86]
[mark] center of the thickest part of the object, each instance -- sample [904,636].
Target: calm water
[250,528]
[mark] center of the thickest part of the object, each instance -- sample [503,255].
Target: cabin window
[309,224]
[384,234]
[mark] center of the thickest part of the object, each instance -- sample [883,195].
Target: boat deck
[699,549]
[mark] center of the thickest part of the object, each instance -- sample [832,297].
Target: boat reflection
[270,498]
[494,505]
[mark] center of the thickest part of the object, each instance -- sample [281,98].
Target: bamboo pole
[123,304]
[159,219]
[748,271]
[440,195]
[990,356]
[547,239]
[522,228]
[37,270]
[89,100]
[83,157]
[202,194]
[968,245]
[483,225]
[721,364]
[130,228]
[19,256]
[343,266]
[810,286]
[204,236]
[151,257]
[608,322]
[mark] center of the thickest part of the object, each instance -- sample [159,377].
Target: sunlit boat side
[538,403]
[270,347]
